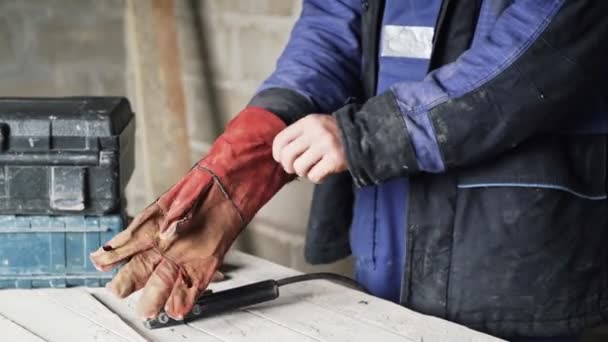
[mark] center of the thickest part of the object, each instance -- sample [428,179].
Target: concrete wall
[224,49]
[61,47]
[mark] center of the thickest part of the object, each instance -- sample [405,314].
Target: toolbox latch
[67,188]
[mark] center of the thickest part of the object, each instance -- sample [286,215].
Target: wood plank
[233,326]
[50,321]
[125,308]
[242,326]
[287,316]
[368,310]
[310,311]
[321,323]
[318,311]
[295,314]
[12,331]
[391,317]
[85,305]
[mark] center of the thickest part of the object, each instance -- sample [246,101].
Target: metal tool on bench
[211,303]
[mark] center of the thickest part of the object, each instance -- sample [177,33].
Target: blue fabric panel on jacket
[581,123]
[516,29]
[405,23]
[379,225]
[414,39]
[322,60]
[488,14]
[378,236]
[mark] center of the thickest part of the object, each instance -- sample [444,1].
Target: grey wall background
[186,66]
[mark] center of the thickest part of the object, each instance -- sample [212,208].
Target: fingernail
[218,276]
[175,317]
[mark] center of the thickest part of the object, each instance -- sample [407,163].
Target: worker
[474,135]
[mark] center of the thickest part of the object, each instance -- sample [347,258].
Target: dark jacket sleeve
[543,60]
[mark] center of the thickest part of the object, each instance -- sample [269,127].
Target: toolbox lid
[34,123]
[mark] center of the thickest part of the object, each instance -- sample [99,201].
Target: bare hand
[311,148]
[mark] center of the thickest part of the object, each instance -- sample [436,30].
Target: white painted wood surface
[310,311]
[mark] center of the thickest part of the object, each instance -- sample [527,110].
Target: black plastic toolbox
[65,155]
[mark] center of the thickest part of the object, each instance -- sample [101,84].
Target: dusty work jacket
[500,148]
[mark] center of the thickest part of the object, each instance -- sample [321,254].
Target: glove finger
[181,300]
[186,291]
[149,214]
[157,289]
[217,277]
[107,260]
[134,275]
[137,237]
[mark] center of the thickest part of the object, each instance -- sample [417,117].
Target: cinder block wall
[225,48]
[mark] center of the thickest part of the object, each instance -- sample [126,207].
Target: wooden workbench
[311,311]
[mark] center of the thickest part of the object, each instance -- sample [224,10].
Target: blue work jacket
[424,119]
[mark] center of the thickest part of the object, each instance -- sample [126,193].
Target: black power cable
[322,276]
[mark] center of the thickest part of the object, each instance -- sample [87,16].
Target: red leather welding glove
[174,246]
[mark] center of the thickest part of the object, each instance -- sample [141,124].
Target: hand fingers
[306,161]
[157,289]
[291,152]
[134,275]
[320,171]
[283,138]
[184,294]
